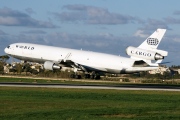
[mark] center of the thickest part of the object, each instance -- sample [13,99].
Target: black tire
[72,76]
[92,76]
[78,76]
[97,77]
[87,76]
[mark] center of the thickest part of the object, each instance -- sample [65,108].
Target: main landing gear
[93,75]
[75,76]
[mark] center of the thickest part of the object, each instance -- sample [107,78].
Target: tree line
[26,69]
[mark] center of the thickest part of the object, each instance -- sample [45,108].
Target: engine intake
[48,65]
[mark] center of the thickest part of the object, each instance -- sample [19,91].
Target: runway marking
[122,87]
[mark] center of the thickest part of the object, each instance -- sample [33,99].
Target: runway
[94,86]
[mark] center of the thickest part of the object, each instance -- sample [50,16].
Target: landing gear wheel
[78,76]
[92,77]
[87,76]
[97,77]
[75,76]
[72,76]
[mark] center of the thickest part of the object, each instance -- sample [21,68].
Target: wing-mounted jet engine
[48,65]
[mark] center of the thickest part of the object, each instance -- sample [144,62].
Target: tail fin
[148,51]
[153,40]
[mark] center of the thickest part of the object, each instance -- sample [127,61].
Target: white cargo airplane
[143,58]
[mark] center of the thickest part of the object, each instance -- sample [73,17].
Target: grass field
[82,104]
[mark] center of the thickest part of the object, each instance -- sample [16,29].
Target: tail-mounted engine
[153,54]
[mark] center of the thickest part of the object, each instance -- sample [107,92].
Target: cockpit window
[8,47]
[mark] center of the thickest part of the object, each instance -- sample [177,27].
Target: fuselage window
[8,47]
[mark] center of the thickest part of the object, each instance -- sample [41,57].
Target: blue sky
[107,26]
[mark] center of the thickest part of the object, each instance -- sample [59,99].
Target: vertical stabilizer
[148,51]
[153,40]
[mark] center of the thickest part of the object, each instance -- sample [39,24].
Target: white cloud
[9,17]
[93,15]
[140,33]
[177,40]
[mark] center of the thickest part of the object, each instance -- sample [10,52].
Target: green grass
[81,104]
[13,79]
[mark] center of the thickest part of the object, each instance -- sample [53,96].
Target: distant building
[160,70]
[175,70]
[6,69]
[178,71]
